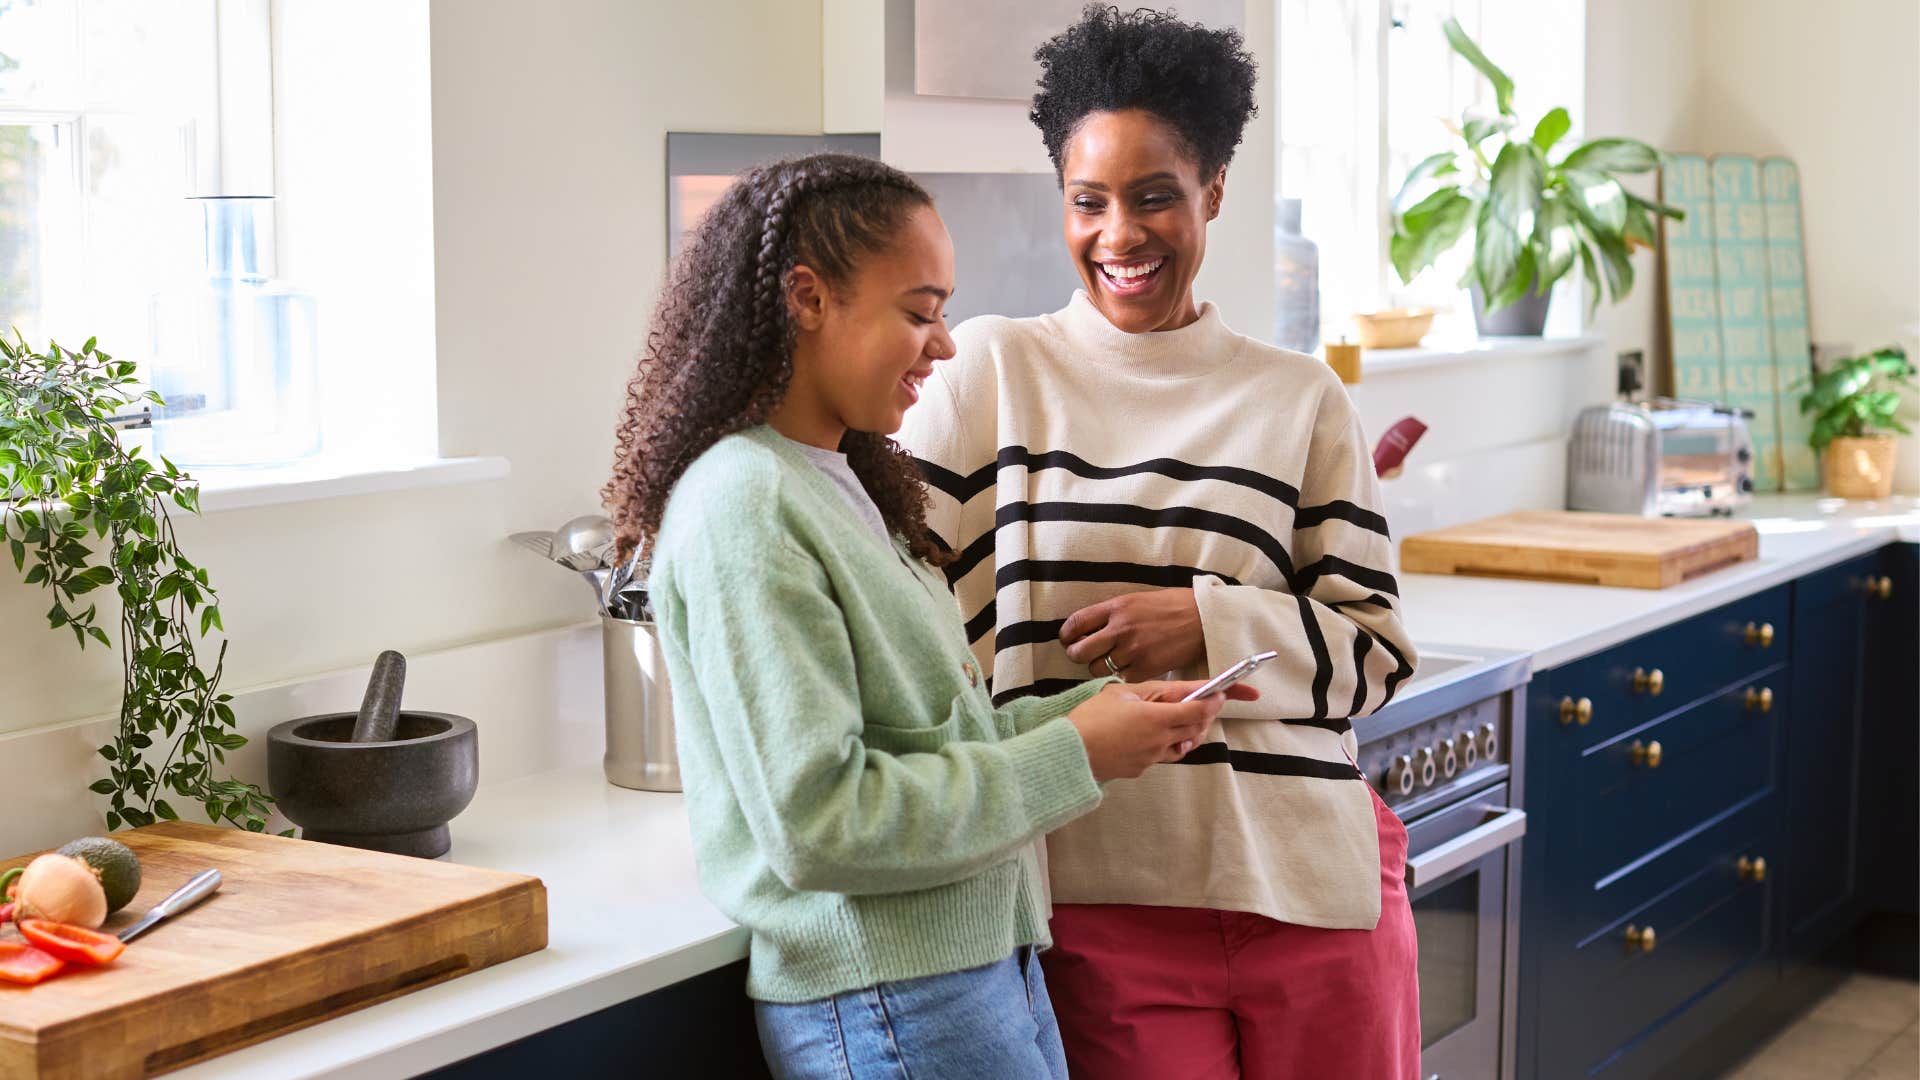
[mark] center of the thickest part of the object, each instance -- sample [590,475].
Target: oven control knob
[1423,760]
[1400,776]
[1449,758]
[1489,741]
[1469,750]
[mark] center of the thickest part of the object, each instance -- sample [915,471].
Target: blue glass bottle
[235,351]
[1296,281]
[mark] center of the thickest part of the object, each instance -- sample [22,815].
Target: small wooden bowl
[1397,328]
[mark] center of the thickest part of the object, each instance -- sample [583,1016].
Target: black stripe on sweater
[1362,645]
[961,488]
[1340,510]
[1248,761]
[1036,632]
[974,554]
[1374,600]
[982,623]
[1364,576]
[1177,517]
[1173,468]
[1322,659]
[1400,672]
[1166,577]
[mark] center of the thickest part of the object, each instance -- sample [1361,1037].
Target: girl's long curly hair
[719,355]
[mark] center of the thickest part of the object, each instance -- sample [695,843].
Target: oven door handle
[1497,832]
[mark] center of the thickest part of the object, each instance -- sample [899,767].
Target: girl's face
[1136,218]
[864,348]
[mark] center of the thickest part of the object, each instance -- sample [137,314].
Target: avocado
[115,863]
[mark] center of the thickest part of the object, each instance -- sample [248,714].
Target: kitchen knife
[203,885]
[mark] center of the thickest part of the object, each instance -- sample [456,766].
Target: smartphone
[1232,675]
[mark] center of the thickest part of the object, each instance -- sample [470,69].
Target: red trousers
[1166,993]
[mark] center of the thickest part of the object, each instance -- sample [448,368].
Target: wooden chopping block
[1576,546]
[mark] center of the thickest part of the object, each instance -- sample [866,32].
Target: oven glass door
[1457,883]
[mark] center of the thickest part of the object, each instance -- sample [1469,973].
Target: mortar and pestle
[380,779]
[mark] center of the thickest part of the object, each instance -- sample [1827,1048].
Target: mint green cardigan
[856,800]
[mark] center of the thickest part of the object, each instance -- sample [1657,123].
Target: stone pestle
[380,709]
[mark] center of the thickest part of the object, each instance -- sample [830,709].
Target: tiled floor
[1868,1029]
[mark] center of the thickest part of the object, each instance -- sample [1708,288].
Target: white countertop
[1562,622]
[625,913]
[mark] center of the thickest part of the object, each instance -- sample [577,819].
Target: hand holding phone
[1232,675]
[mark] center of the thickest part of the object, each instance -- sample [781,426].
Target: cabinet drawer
[1850,580]
[1706,928]
[1663,781]
[1665,670]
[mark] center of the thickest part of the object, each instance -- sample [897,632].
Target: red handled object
[1391,451]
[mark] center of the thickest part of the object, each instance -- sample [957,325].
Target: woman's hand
[1145,634]
[1127,729]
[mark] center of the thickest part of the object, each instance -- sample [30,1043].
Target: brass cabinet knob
[1752,869]
[1576,712]
[1760,634]
[1648,754]
[1760,700]
[1882,587]
[1649,682]
[1641,939]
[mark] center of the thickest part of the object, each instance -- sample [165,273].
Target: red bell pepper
[22,963]
[73,944]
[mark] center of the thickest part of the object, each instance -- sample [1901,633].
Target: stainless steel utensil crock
[640,747]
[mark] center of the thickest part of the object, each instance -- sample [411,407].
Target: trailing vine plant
[65,477]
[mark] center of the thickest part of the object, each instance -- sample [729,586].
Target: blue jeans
[993,1021]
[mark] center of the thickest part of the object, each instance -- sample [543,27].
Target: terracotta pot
[1860,468]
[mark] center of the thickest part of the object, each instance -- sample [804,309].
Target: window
[1367,88]
[108,115]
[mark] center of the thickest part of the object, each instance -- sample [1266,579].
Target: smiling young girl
[857,801]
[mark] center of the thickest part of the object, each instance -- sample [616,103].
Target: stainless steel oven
[1440,755]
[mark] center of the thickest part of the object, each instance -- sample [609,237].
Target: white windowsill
[1444,354]
[247,488]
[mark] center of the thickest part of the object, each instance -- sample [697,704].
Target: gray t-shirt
[834,465]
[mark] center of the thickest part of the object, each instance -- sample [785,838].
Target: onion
[59,888]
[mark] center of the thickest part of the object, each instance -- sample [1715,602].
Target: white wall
[549,125]
[1832,87]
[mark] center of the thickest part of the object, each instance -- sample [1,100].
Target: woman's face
[1136,218]
[866,346]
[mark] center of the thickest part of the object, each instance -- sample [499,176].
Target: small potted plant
[1853,405]
[67,483]
[1532,214]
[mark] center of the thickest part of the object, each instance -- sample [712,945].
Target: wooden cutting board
[299,932]
[1576,546]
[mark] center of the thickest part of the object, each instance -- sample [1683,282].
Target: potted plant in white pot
[68,484]
[1853,405]
[1532,213]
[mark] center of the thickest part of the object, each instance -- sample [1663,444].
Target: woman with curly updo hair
[1130,488]
[857,801]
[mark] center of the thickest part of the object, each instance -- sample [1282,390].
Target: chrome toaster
[1661,458]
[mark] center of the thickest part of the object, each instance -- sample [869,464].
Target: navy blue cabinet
[1820,877]
[1697,833]
[1890,788]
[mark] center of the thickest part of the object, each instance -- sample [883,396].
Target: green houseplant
[1853,406]
[67,484]
[1533,209]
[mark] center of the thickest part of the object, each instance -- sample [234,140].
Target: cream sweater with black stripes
[1070,462]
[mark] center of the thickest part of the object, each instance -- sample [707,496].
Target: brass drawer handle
[1576,712]
[1760,634]
[1649,682]
[1760,700]
[1648,754]
[1754,870]
[1641,939]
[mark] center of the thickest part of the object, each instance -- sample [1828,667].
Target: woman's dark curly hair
[719,355]
[1199,81]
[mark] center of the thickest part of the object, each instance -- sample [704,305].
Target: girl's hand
[1145,634]
[1128,729]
